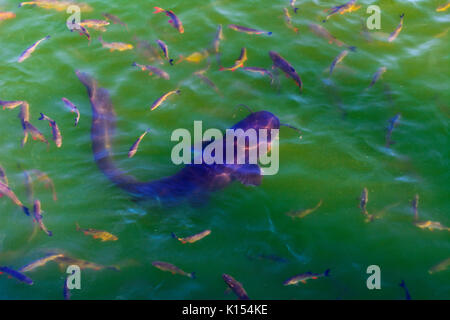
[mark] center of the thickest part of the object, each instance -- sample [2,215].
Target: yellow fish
[239,62]
[113,46]
[194,238]
[57,5]
[7,15]
[195,57]
[303,213]
[98,234]
[443,7]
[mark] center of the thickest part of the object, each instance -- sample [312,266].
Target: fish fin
[327,273]
[248,174]
[158,10]
[192,275]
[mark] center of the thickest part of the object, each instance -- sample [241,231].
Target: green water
[337,157]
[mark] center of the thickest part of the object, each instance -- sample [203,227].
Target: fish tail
[402,15]
[174,236]
[47,37]
[41,117]
[269,33]
[327,273]
[78,226]
[171,62]
[158,10]
[402,284]
[178,91]
[352,48]
[221,69]
[192,275]
[26,210]
[134,64]
[295,10]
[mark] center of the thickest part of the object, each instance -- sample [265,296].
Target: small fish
[37,212]
[113,46]
[304,213]
[193,238]
[288,20]
[364,200]
[195,57]
[57,5]
[66,290]
[174,21]
[40,262]
[98,234]
[271,257]
[27,53]
[282,64]
[48,182]
[161,99]
[292,3]
[218,37]
[431,225]
[303,277]
[55,130]
[393,122]
[347,7]
[10,104]
[377,76]
[165,50]
[443,7]
[73,108]
[261,71]
[95,24]
[403,285]
[239,63]
[135,145]
[6,15]
[16,274]
[397,30]
[84,32]
[206,80]
[324,33]
[236,286]
[147,50]
[248,30]
[441,266]
[165,266]
[24,116]
[114,19]
[83,264]
[6,191]
[415,206]
[3,177]
[152,70]
[337,60]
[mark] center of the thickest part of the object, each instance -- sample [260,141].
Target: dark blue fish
[403,285]
[16,274]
